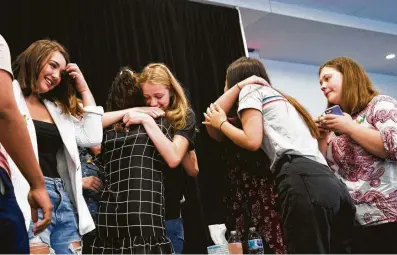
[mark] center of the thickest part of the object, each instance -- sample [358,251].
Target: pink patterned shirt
[371,181]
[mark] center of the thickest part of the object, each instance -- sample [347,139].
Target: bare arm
[226,102]
[88,98]
[110,118]
[13,128]
[369,139]
[89,129]
[81,85]
[250,137]
[172,151]
[228,99]
[15,138]
[190,164]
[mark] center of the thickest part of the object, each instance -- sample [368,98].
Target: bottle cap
[252,229]
[233,232]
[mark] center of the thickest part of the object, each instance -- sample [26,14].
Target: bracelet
[238,85]
[220,126]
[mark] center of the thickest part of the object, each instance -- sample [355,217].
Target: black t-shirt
[189,132]
[175,178]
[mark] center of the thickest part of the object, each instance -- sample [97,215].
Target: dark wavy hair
[124,92]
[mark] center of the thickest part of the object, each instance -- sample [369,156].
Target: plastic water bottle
[255,244]
[235,246]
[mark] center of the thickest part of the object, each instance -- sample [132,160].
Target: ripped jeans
[63,230]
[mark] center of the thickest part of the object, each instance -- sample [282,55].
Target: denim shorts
[63,229]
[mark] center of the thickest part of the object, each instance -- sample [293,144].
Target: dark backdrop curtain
[195,40]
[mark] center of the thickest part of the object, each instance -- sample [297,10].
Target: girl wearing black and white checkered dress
[161,89]
[131,208]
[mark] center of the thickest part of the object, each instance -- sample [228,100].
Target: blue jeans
[13,235]
[174,231]
[63,229]
[88,168]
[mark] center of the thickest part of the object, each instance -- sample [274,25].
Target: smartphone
[334,110]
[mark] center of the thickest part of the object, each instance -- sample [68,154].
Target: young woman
[161,89]
[315,207]
[363,154]
[45,90]
[131,208]
[249,195]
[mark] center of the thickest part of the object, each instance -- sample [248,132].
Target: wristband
[220,126]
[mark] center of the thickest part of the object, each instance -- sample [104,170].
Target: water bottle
[255,244]
[235,246]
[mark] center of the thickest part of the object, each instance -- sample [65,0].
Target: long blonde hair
[177,110]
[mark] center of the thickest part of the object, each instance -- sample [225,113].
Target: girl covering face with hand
[165,96]
[131,207]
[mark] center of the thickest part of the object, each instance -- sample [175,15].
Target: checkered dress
[131,209]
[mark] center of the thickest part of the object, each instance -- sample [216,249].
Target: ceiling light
[390,56]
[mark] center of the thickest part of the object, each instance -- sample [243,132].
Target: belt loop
[59,183]
[62,183]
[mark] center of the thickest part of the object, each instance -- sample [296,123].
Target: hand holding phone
[336,110]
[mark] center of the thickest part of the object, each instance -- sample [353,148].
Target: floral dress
[250,197]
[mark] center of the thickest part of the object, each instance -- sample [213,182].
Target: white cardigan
[73,132]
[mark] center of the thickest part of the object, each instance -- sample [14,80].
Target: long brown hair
[245,67]
[357,88]
[177,111]
[28,66]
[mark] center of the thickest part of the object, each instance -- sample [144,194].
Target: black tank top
[49,141]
